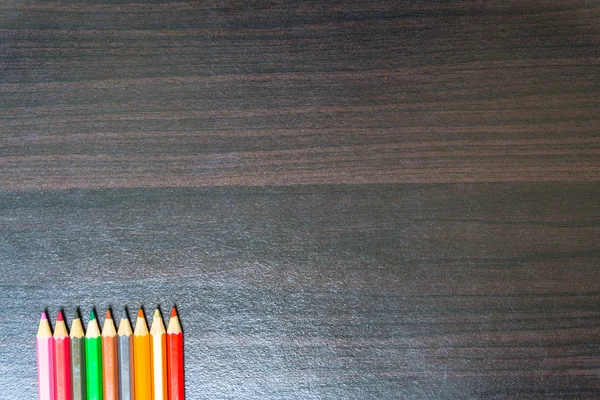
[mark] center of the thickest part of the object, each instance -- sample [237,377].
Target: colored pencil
[45,360]
[159,356]
[175,357]
[77,359]
[110,359]
[142,359]
[126,374]
[93,359]
[62,359]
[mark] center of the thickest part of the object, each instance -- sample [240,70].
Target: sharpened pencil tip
[76,314]
[124,315]
[92,315]
[107,315]
[173,312]
[157,313]
[43,315]
[59,317]
[140,313]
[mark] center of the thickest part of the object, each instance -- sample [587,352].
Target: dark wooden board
[418,291]
[354,200]
[229,93]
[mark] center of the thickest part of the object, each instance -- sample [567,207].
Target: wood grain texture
[357,200]
[228,93]
[393,291]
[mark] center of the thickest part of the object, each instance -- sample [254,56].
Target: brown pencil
[110,360]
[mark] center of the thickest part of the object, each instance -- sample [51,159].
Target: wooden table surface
[346,200]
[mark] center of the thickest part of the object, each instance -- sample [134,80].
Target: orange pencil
[175,357]
[110,359]
[62,359]
[142,359]
[159,357]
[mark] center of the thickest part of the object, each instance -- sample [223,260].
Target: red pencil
[175,358]
[62,359]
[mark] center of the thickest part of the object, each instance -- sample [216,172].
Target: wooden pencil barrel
[110,362]
[126,371]
[78,382]
[175,366]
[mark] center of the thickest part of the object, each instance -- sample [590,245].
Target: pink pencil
[45,361]
[62,362]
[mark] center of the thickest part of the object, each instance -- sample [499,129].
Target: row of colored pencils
[110,364]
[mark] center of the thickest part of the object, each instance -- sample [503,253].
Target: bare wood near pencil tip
[158,326]
[93,330]
[141,327]
[60,330]
[124,328]
[44,330]
[174,327]
[77,329]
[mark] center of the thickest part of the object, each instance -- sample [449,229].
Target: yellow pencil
[159,356]
[142,359]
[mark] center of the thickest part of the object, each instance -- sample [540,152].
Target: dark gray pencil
[125,359]
[77,359]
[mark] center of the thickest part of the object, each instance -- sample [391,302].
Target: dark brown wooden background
[346,200]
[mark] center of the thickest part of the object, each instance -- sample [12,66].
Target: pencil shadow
[143,310]
[94,312]
[160,311]
[125,313]
[64,315]
[77,314]
[47,312]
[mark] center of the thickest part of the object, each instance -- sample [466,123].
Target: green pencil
[93,359]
